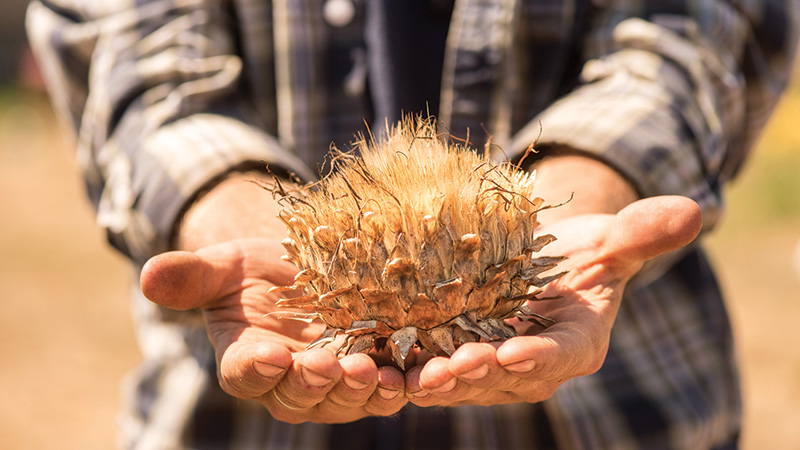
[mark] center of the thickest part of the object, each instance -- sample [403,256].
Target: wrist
[588,185]
[236,207]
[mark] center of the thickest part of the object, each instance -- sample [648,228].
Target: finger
[653,226]
[558,354]
[444,387]
[358,382]
[250,370]
[312,374]
[186,280]
[436,377]
[414,391]
[476,364]
[389,395]
[180,280]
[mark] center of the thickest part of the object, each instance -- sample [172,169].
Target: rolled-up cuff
[142,204]
[635,128]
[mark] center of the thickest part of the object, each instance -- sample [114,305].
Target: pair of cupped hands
[264,358]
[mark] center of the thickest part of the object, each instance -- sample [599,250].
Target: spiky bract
[417,241]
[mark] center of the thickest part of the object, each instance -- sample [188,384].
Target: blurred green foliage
[767,191]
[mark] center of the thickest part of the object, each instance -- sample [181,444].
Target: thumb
[650,227]
[182,280]
[186,280]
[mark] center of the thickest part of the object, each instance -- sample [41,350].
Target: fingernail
[267,370]
[419,394]
[354,384]
[522,366]
[388,394]
[474,374]
[314,378]
[447,387]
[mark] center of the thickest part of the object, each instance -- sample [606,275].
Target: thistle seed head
[415,241]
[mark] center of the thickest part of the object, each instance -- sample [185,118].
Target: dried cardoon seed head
[415,242]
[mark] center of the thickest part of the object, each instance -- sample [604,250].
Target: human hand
[259,356]
[604,251]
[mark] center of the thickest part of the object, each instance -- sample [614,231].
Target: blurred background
[66,337]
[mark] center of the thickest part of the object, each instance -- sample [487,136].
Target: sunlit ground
[66,338]
[65,334]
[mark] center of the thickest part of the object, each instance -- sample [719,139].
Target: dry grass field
[66,338]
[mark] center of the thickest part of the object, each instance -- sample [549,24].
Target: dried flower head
[415,241]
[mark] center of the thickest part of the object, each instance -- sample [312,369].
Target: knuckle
[595,362]
[385,408]
[239,379]
[288,407]
[545,395]
[287,416]
[344,402]
[235,386]
[594,366]
[542,393]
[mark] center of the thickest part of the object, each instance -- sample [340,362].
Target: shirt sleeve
[674,100]
[153,91]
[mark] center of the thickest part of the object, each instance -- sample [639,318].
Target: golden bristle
[424,241]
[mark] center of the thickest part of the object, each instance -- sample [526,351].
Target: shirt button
[339,13]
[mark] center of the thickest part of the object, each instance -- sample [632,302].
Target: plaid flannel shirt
[165,96]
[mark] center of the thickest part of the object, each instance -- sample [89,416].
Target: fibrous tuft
[415,241]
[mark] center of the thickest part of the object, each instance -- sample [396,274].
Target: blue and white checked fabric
[166,96]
